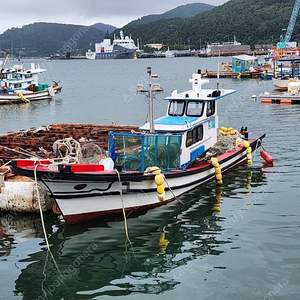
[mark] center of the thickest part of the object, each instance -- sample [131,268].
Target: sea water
[237,241]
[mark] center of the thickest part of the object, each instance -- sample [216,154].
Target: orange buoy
[266,156]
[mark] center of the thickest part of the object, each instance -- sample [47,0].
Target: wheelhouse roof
[202,95]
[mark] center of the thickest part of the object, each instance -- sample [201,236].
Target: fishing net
[225,142]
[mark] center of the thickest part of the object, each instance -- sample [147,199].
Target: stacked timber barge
[39,141]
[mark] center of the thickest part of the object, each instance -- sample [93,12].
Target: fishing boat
[121,48]
[19,85]
[149,166]
[287,71]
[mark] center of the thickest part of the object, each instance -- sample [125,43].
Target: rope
[5,165]
[175,197]
[68,147]
[24,153]
[123,208]
[42,217]
[40,206]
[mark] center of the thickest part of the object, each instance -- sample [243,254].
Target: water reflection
[92,259]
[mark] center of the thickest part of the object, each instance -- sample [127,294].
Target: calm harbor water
[238,241]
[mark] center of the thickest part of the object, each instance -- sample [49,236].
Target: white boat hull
[82,197]
[34,96]
[280,84]
[143,197]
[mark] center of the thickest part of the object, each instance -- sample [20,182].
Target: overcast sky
[118,13]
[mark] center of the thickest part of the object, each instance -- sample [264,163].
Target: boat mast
[150,93]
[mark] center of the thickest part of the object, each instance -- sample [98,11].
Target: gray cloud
[114,12]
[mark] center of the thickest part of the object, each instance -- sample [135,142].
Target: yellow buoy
[161,197]
[215,163]
[161,188]
[249,151]
[218,170]
[218,174]
[219,177]
[159,179]
[23,98]
[155,170]
[246,144]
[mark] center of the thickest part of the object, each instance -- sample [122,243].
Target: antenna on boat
[150,93]
[218,73]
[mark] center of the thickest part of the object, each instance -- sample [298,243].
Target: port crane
[284,40]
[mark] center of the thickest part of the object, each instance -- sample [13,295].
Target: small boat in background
[146,167]
[169,53]
[287,71]
[19,85]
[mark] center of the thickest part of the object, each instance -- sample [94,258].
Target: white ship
[121,48]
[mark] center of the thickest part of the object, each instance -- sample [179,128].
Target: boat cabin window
[194,108]
[17,86]
[16,76]
[195,135]
[211,108]
[176,108]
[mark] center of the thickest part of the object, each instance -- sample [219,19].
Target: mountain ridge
[244,19]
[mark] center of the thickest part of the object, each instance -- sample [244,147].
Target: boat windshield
[140,151]
[195,108]
[176,108]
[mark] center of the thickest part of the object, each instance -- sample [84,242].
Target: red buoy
[266,156]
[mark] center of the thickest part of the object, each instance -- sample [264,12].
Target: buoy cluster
[218,174]
[249,151]
[227,131]
[159,180]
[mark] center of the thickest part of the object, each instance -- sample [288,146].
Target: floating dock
[280,98]
[230,74]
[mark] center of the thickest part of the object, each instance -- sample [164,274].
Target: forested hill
[182,11]
[44,39]
[251,21]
